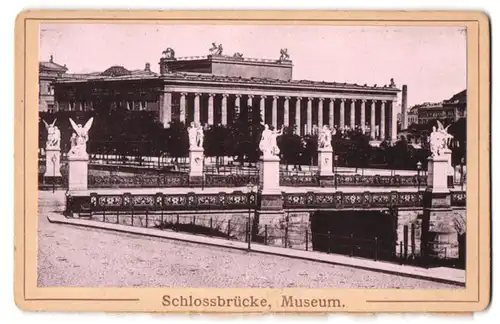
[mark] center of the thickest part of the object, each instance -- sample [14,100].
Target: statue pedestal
[77,172]
[325,161]
[439,236]
[270,175]
[52,163]
[196,165]
[325,167]
[450,172]
[437,173]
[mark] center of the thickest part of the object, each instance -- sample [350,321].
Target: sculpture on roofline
[53,136]
[284,54]
[79,139]
[238,55]
[216,49]
[169,53]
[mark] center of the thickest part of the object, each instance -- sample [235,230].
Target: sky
[431,61]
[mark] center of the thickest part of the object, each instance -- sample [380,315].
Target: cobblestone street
[75,256]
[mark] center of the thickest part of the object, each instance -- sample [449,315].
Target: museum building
[209,89]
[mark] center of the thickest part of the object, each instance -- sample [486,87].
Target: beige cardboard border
[476,295]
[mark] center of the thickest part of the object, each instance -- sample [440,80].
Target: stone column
[353,114]
[196,117]
[382,121]
[237,101]
[274,112]
[331,120]
[182,108]
[320,112]
[342,113]
[286,113]
[362,120]
[263,109]
[297,116]
[166,109]
[372,120]
[404,112]
[250,101]
[394,122]
[211,108]
[224,109]
[309,115]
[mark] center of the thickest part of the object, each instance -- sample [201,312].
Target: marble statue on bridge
[53,136]
[196,136]
[268,142]
[79,139]
[440,139]
[325,137]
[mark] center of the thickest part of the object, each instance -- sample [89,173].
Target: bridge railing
[288,235]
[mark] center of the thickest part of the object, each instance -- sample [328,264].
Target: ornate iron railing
[137,181]
[380,180]
[231,180]
[352,200]
[299,179]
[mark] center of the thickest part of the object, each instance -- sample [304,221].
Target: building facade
[210,89]
[447,111]
[48,73]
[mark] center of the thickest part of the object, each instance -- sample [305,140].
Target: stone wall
[409,218]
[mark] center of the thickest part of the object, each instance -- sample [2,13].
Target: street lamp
[419,167]
[335,169]
[250,193]
[462,162]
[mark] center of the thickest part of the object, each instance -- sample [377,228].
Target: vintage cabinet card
[252,161]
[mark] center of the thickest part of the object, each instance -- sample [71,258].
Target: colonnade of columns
[375,117]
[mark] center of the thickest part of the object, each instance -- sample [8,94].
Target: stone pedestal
[270,175]
[437,171]
[77,173]
[325,167]
[52,164]
[270,210]
[439,236]
[196,165]
[450,172]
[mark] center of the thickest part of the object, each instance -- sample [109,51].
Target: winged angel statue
[53,135]
[79,139]
[440,139]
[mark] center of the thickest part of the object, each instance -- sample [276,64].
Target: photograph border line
[44,19]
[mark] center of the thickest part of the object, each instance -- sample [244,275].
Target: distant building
[413,116]
[447,111]
[48,73]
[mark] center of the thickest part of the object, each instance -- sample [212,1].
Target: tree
[290,146]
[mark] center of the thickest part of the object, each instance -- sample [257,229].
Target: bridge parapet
[238,200]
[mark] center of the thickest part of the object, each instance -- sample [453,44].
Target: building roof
[123,75]
[460,97]
[52,66]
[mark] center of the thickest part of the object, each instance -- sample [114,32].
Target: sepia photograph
[222,155]
[351,152]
